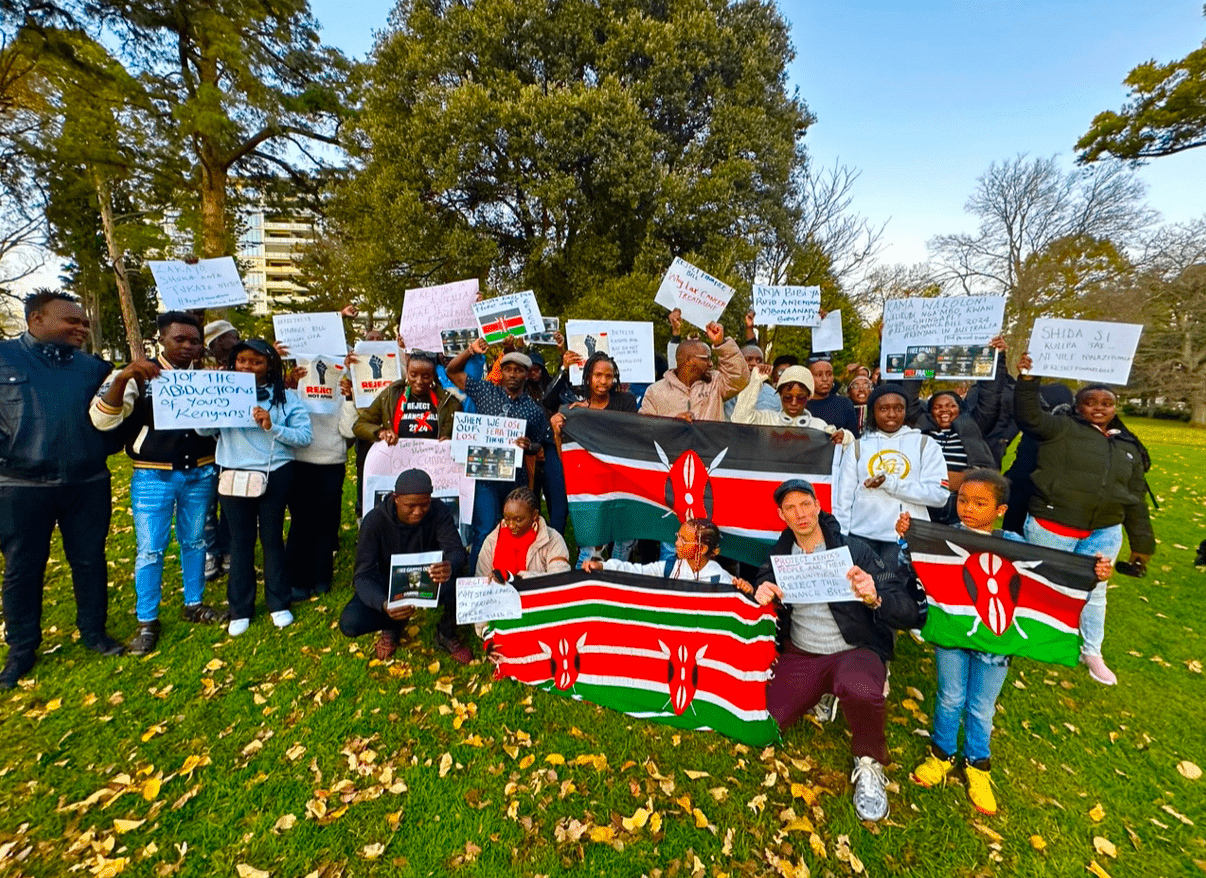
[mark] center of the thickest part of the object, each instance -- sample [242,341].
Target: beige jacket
[548,554]
[703,399]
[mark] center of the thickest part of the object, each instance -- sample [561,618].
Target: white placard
[787,306]
[314,334]
[206,283]
[318,389]
[493,463]
[1089,350]
[480,600]
[378,365]
[828,336]
[410,584]
[470,428]
[427,310]
[183,399]
[383,462]
[629,343]
[516,314]
[945,320]
[818,578]
[701,297]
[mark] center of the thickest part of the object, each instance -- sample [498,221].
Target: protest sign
[951,362]
[480,600]
[945,320]
[493,463]
[183,399]
[318,389]
[378,365]
[828,335]
[410,583]
[206,283]
[701,297]
[818,578]
[787,306]
[427,310]
[469,428]
[516,314]
[383,462]
[629,343]
[313,334]
[1088,350]
[552,325]
[453,341]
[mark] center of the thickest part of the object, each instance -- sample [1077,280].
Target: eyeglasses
[794,397]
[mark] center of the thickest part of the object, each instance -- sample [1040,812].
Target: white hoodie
[914,473]
[746,412]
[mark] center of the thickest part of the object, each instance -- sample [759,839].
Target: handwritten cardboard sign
[469,428]
[828,335]
[1089,350]
[383,462]
[207,283]
[701,297]
[410,583]
[629,343]
[318,389]
[183,399]
[945,320]
[378,365]
[818,578]
[311,334]
[480,600]
[516,314]
[787,306]
[427,310]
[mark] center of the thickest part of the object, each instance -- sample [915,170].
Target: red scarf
[511,552]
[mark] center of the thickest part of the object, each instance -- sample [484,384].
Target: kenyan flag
[1000,596]
[688,654]
[639,477]
[496,327]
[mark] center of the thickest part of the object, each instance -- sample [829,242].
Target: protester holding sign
[523,542]
[416,407]
[839,648]
[1089,483]
[256,473]
[174,476]
[408,521]
[693,390]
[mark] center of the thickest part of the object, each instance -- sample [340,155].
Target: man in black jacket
[52,471]
[407,521]
[841,647]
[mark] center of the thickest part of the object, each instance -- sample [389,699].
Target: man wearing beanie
[406,522]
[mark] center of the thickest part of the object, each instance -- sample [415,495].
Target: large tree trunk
[116,257]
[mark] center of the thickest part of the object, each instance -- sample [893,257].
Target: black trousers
[265,514]
[359,618]
[27,519]
[315,504]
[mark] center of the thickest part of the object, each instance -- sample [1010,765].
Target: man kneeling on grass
[838,648]
[407,521]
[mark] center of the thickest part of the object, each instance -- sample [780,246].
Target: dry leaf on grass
[245,871]
[636,821]
[372,851]
[1097,870]
[1037,842]
[1097,813]
[1188,770]
[445,764]
[284,823]
[120,826]
[1105,846]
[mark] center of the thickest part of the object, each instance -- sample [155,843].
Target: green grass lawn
[296,753]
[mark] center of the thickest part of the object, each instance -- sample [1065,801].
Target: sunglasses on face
[794,397]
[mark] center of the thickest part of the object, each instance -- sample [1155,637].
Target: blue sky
[921,97]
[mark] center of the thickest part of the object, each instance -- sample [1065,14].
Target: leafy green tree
[1165,113]
[565,146]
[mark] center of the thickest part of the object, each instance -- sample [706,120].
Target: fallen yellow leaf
[372,851]
[1105,846]
[1188,770]
[157,729]
[284,822]
[555,759]
[445,764]
[636,821]
[655,822]
[526,761]
[246,871]
[54,704]
[799,824]
[602,833]
[1037,842]
[211,666]
[120,825]
[701,822]
[799,791]
[817,845]
[1097,870]
[696,775]
[109,868]
[150,788]
[1097,813]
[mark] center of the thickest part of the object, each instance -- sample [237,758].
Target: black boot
[16,666]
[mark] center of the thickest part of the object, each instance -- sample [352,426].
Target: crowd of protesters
[1078,483]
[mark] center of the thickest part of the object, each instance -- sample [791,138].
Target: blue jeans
[155,495]
[621,550]
[1105,540]
[969,682]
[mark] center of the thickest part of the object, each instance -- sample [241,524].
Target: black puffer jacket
[860,625]
[1085,478]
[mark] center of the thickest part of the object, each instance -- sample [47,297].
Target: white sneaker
[282,618]
[237,626]
[826,709]
[870,789]
[1099,670]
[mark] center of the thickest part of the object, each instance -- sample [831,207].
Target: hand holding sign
[183,399]
[821,578]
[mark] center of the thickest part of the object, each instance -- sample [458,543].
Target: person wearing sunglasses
[794,387]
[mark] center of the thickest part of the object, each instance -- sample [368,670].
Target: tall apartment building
[269,250]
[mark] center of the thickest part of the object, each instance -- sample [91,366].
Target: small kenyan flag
[1000,596]
[496,327]
[639,477]
[695,655]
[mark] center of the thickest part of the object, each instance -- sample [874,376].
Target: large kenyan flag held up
[1000,596]
[639,477]
[695,655]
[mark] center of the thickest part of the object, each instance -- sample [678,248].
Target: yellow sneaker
[932,771]
[979,790]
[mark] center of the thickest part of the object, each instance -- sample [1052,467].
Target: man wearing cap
[52,472]
[407,521]
[220,339]
[827,405]
[794,388]
[841,647]
[693,390]
[509,399]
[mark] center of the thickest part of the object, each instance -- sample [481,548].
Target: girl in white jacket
[890,470]
[695,548]
[794,387]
